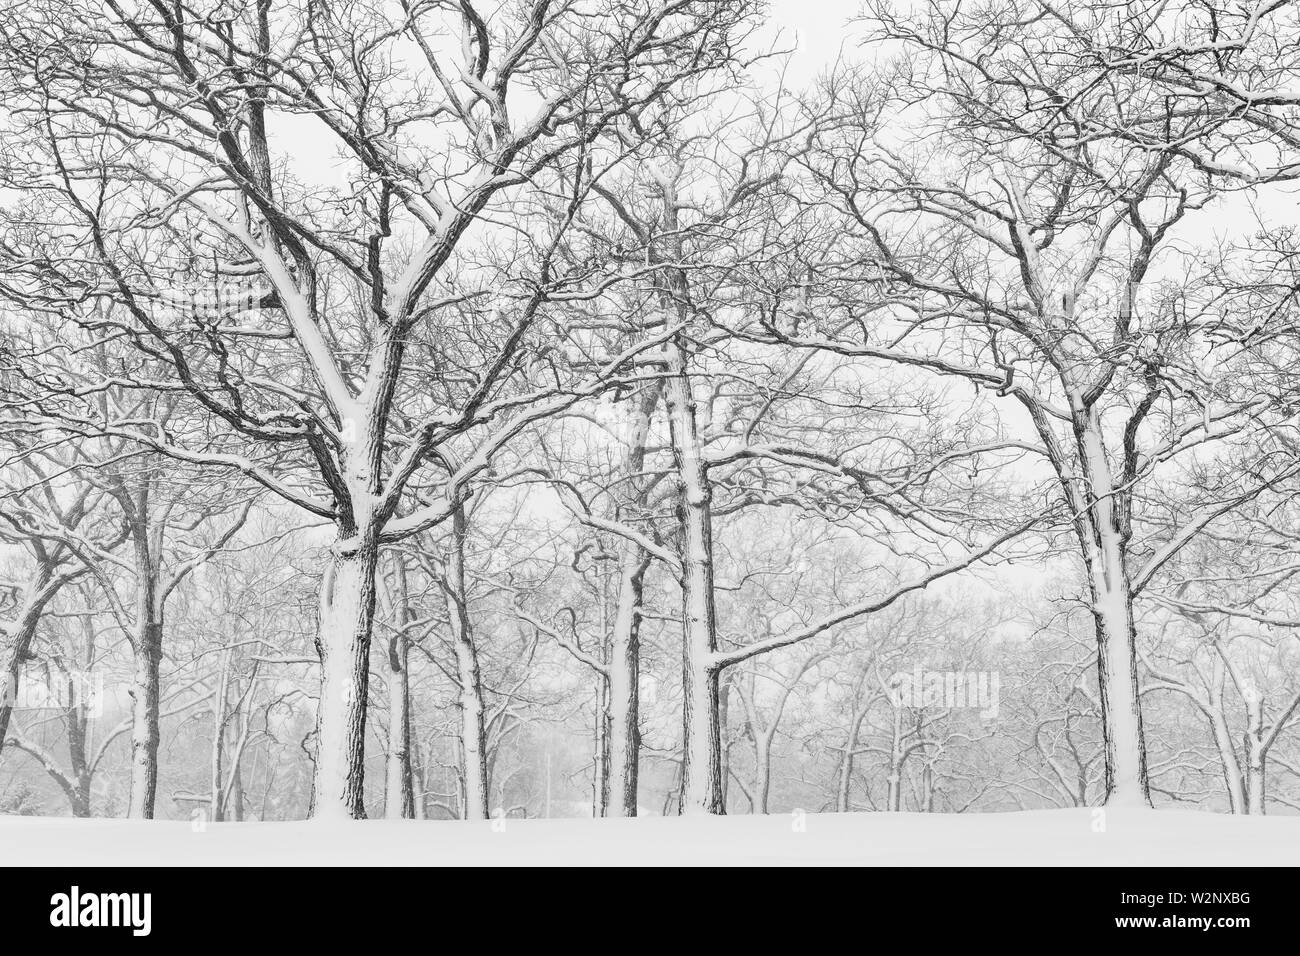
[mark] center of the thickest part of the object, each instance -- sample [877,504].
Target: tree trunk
[701,728]
[1104,531]
[473,733]
[1126,769]
[218,773]
[858,715]
[1255,779]
[927,787]
[399,797]
[473,738]
[624,686]
[79,793]
[1256,752]
[419,807]
[762,772]
[79,799]
[236,803]
[1232,778]
[1214,710]
[600,780]
[347,614]
[623,675]
[145,720]
[894,795]
[844,783]
[725,690]
[399,782]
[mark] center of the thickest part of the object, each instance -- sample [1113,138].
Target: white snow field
[1123,837]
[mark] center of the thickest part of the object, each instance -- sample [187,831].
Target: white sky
[819,29]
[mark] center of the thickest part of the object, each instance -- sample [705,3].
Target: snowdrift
[1123,837]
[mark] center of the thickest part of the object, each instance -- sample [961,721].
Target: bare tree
[349,277]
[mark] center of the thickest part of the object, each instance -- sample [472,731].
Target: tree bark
[399,802]
[701,728]
[145,730]
[624,686]
[399,791]
[1232,778]
[1105,539]
[473,732]
[843,789]
[897,755]
[347,614]
[79,794]
[1256,752]
[623,674]
[1233,781]
[218,772]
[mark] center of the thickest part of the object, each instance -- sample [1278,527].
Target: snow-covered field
[1051,837]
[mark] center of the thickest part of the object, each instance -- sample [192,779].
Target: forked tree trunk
[1233,781]
[701,730]
[844,781]
[761,737]
[844,785]
[623,673]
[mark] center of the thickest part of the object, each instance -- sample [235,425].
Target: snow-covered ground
[1049,837]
